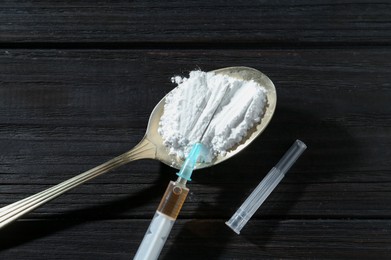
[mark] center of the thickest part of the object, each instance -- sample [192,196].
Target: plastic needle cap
[265,187]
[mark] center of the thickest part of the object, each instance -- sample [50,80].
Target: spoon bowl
[243,73]
[150,147]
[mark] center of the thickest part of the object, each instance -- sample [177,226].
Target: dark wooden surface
[79,80]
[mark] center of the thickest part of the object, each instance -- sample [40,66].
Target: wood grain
[65,111]
[106,239]
[262,22]
[78,81]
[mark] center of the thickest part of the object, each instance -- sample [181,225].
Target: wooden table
[79,80]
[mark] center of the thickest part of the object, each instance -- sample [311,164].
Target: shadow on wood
[23,231]
[329,145]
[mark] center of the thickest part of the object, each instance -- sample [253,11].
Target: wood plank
[133,200]
[65,111]
[77,84]
[260,238]
[262,22]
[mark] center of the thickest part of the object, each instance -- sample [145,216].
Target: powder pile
[232,106]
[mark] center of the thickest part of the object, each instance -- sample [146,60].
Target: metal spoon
[150,147]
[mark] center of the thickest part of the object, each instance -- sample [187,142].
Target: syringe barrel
[155,237]
[162,222]
[173,199]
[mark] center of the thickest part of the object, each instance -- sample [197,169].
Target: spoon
[150,147]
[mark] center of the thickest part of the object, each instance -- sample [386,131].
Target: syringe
[173,198]
[169,207]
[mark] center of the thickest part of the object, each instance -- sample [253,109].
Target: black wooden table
[78,81]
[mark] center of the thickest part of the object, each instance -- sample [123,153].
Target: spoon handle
[145,149]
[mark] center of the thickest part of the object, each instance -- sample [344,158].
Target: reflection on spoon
[150,147]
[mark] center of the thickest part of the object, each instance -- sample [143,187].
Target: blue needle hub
[198,150]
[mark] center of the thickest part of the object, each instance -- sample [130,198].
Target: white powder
[236,104]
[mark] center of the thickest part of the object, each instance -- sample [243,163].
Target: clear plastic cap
[265,187]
